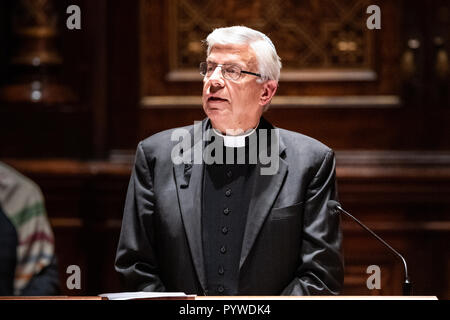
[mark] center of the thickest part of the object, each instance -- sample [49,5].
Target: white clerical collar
[235,141]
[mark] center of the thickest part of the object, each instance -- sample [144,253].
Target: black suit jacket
[292,243]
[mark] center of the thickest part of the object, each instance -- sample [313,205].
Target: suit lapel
[265,191]
[189,178]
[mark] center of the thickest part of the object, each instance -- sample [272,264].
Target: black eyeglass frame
[205,64]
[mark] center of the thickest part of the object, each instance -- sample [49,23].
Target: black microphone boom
[407,286]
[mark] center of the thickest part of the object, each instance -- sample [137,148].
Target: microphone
[334,206]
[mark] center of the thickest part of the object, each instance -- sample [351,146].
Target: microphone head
[333,205]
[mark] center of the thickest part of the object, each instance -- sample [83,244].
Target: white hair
[269,63]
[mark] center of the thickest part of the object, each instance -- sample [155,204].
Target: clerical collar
[235,141]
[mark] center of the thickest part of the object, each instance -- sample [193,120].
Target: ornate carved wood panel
[318,41]
[314,38]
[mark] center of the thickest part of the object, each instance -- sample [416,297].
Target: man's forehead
[232,53]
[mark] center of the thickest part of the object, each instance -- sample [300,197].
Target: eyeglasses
[229,71]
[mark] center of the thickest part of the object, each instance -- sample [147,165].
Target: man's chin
[215,112]
[217,105]
[218,119]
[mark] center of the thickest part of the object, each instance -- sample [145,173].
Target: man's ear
[269,89]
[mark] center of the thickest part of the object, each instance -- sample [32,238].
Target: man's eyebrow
[229,62]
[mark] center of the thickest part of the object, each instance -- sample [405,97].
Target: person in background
[27,255]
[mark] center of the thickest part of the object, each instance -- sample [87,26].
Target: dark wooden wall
[380,98]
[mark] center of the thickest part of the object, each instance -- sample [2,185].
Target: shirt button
[229,173]
[221,289]
[226,211]
[228,192]
[224,230]
[221,270]
[223,249]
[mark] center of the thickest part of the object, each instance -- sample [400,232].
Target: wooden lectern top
[190,297]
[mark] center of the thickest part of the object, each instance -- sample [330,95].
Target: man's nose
[216,77]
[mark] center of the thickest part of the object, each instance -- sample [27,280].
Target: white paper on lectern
[141,295]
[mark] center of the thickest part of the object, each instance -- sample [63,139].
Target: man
[226,227]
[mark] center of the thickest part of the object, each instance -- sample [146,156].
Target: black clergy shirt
[226,197]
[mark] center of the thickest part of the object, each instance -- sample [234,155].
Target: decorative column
[35,60]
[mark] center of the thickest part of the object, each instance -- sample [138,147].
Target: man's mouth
[217,99]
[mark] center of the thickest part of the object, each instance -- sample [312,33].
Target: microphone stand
[407,285]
